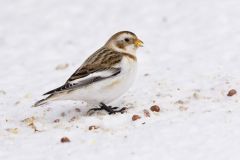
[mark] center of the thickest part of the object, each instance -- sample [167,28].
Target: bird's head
[124,41]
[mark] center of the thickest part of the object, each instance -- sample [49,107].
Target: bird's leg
[112,110]
[109,109]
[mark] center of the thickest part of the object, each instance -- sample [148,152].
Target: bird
[103,77]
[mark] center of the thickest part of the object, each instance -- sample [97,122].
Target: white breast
[110,89]
[123,81]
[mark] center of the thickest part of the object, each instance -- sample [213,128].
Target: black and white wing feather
[99,66]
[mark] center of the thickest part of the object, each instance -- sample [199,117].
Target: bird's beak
[138,43]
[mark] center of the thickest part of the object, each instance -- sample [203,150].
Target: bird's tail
[43,101]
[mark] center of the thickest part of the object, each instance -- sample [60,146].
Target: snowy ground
[189,63]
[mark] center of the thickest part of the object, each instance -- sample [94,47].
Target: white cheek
[131,49]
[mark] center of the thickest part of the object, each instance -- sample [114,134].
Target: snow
[189,62]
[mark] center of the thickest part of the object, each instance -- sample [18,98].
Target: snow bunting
[104,76]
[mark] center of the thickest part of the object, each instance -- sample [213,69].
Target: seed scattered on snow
[12,130]
[196,95]
[179,102]
[63,114]
[65,140]
[56,121]
[72,119]
[135,117]
[92,127]
[155,108]
[30,122]
[77,110]
[62,66]
[17,103]
[146,113]
[231,92]
[158,95]
[183,108]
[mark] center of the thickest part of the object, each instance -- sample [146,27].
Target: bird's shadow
[68,111]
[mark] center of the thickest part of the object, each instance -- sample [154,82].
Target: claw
[93,110]
[109,109]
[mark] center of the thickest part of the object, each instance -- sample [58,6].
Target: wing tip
[55,90]
[39,103]
[49,92]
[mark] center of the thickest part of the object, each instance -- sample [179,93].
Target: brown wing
[101,61]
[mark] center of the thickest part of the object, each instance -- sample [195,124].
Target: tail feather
[43,101]
[39,103]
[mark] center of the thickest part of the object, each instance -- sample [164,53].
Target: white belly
[110,89]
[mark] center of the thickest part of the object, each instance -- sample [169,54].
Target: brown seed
[17,103]
[196,95]
[92,127]
[179,102]
[183,108]
[77,110]
[146,113]
[65,139]
[56,120]
[155,108]
[232,92]
[63,114]
[72,119]
[135,117]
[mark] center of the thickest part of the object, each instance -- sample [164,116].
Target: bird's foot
[109,109]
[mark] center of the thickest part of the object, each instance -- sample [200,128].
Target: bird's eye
[126,39]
